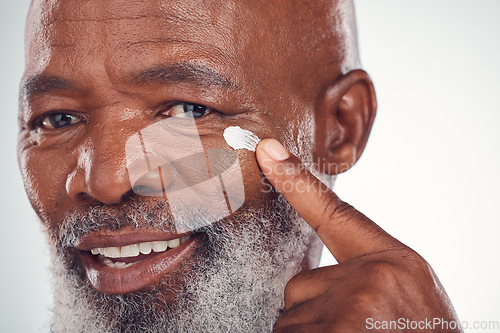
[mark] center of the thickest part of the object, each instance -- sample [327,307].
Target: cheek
[258,191]
[257,188]
[244,172]
[44,175]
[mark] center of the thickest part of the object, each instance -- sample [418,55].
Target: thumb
[346,232]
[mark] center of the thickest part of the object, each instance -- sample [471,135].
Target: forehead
[266,47]
[246,41]
[156,16]
[129,32]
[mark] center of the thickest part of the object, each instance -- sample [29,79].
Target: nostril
[82,196]
[75,185]
[127,195]
[107,188]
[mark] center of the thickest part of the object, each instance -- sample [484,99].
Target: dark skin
[84,60]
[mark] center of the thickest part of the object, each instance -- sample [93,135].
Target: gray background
[429,175]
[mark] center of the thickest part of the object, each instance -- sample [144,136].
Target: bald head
[313,37]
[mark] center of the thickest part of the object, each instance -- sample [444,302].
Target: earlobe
[344,117]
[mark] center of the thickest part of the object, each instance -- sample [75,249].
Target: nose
[100,172]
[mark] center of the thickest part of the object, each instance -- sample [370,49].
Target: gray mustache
[134,212]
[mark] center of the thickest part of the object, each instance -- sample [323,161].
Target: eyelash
[46,123]
[195,111]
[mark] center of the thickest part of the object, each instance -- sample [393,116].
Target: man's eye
[188,110]
[59,120]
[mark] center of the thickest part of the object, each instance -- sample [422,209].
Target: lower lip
[111,280]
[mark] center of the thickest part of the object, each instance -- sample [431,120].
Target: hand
[377,278]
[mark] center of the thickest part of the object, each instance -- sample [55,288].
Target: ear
[344,117]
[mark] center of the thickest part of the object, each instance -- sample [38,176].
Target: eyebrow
[41,84]
[175,73]
[185,72]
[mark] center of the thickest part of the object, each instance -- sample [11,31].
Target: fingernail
[275,150]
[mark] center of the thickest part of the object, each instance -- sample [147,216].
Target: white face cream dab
[238,138]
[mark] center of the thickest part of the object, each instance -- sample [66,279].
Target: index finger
[346,232]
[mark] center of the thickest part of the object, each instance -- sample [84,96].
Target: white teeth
[109,263]
[130,251]
[159,246]
[112,252]
[145,248]
[174,243]
[120,264]
[133,250]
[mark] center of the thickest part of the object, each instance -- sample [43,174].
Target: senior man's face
[97,72]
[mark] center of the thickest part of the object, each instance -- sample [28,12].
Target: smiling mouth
[126,256]
[120,264]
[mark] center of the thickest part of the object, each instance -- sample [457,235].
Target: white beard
[236,287]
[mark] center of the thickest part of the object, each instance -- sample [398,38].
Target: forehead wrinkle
[171,42]
[190,12]
[165,17]
[196,20]
[46,16]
